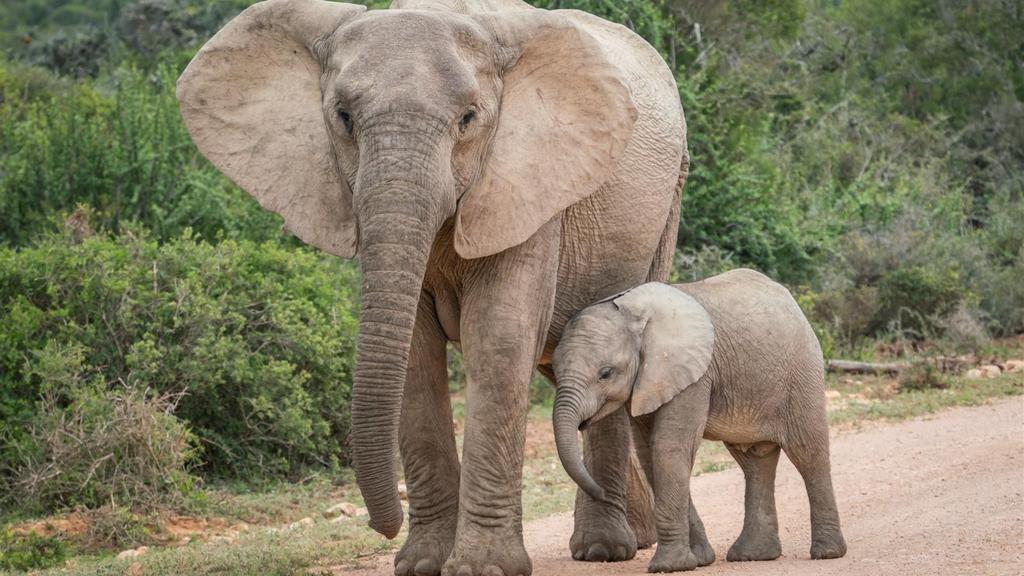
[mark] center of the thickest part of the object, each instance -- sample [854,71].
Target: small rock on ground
[307,521]
[342,509]
[133,553]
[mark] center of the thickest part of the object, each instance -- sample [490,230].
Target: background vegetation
[869,154]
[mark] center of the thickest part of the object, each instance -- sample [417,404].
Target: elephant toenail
[492,571]
[577,554]
[597,553]
[620,553]
[464,571]
[426,567]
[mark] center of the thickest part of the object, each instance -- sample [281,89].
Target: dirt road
[943,495]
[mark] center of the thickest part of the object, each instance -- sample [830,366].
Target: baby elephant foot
[825,548]
[751,547]
[673,558]
[601,534]
[426,548]
[489,552]
[703,552]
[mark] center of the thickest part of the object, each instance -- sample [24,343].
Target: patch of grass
[547,489]
[915,403]
[712,457]
[30,551]
[280,502]
[267,553]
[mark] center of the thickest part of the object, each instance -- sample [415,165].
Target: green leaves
[260,339]
[126,155]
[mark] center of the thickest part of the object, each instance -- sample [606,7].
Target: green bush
[29,551]
[922,375]
[92,446]
[126,155]
[259,339]
[914,299]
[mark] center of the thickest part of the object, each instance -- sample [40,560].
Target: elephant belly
[748,413]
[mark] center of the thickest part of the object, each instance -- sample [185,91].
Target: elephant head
[643,347]
[367,131]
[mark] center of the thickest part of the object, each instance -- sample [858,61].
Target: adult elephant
[497,168]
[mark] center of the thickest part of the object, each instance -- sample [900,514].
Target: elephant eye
[466,119]
[346,119]
[606,373]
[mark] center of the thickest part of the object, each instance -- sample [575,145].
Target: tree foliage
[258,338]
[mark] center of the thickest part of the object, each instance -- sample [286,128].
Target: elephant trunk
[569,412]
[399,208]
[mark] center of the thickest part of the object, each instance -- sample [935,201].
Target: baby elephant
[731,358]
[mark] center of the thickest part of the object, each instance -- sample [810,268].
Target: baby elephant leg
[810,456]
[676,435]
[699,544]
[759,539]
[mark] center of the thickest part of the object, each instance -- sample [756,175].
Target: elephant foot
[601,534]
[426,548]
[828,547]
[673,558]
[703,552]
[752,546]
[489,552]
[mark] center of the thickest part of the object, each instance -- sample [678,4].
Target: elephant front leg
[601,532]
[505,315]
[429,456]
[674,439]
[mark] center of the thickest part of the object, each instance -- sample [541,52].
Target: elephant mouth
[583,425]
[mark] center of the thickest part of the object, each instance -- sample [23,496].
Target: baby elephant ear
[678,340]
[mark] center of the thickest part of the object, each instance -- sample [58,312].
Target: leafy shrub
[113,527]
[29,551]
[963,329]
[91,446]
[78,55]
[810,303]
[847,314]
[922,375]
[693,265]
[258,337]
[128,157]
[916,297]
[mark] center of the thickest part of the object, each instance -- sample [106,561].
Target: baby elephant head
[643,347]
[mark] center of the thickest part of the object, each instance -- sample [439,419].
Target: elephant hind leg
[809,452]
[759,539]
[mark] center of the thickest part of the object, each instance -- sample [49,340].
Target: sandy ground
[943,495]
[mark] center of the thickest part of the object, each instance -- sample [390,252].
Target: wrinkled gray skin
[763,390]
[493,186]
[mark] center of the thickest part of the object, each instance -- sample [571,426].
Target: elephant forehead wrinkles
[590,338]
[413,56]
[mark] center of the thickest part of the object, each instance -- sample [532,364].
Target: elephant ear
[678,340]
[566,117]
[251,100]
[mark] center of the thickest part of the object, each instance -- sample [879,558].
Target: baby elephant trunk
[567,416]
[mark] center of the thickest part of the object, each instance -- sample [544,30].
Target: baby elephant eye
[606,373]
